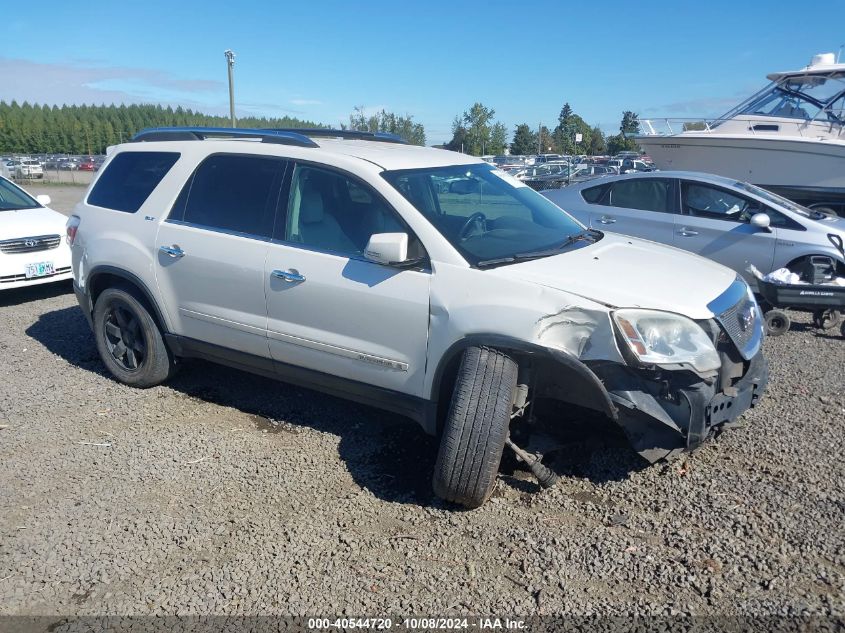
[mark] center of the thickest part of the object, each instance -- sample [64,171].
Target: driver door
[331,310]
[714,223]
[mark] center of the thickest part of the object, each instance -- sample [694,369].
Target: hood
[31,222]
[626,272]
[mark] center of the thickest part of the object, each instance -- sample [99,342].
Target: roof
[387,151]
[693,175]
[392,156]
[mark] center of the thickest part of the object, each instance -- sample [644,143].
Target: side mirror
[761,220]
[43,200]
[463,187]
[387,248]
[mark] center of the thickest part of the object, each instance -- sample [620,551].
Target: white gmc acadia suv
[421,281]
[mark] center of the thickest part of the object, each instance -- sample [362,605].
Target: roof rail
[383,137]
[282,137]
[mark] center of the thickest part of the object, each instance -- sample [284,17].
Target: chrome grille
[742,321]
[30,244]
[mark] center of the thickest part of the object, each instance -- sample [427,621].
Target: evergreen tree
[524,141]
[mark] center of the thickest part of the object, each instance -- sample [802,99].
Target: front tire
[129,341]
[476,427]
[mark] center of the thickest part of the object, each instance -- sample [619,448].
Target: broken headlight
[667,340]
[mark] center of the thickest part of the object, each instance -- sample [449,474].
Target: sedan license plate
[41,269]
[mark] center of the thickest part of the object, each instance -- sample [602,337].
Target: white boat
[789,137]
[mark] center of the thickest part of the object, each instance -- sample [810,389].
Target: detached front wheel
[777,322]
[476,427]
[129,341]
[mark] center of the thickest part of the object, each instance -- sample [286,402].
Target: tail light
[71,228]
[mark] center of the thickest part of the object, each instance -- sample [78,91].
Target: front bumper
[665,413]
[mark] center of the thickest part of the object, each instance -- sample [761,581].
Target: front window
[13,198]
[488,216]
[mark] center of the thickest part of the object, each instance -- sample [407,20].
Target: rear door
[212,249]
[641,207]
[715,223]
[329,308]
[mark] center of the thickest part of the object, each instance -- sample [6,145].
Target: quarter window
[645,194]
[130,179]
[232,193]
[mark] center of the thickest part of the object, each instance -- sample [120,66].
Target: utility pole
[540,138]
[230,60]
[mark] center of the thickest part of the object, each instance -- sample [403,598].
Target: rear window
[130,179]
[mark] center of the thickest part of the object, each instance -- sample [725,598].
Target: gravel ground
[63,197]
[227,493]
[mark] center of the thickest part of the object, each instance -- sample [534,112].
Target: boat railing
[810,128]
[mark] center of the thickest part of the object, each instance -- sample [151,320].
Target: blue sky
[432,59]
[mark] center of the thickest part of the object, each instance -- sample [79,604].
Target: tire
[476,427]
[826,319]
[121,319]
[842,331]
[777,322]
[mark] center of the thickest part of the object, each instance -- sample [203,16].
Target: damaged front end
[669,381]
[664,409]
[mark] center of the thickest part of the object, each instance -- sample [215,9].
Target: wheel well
[552,375]
[99,282]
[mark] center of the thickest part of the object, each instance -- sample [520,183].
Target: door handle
[687,233]
[290,277]
[172,251]
[607,220]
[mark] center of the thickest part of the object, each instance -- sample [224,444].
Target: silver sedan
[731,222]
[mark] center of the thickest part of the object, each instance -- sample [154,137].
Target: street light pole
[230,60]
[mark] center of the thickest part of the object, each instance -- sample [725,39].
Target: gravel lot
[227,493]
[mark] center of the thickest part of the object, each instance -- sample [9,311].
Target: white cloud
[306,102]
[76,83]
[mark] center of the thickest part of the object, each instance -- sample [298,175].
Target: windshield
[13,197]
[774,198]
[487,215]
[800,97]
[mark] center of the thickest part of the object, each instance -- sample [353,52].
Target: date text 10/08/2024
[411,624]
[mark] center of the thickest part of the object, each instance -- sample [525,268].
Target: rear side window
[232,193]
[645,194]
[130,179]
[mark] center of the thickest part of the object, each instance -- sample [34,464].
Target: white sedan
[32,246]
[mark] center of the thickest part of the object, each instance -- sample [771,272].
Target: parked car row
[26,167]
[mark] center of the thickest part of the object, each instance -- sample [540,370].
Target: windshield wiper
[493,262]
[589,235]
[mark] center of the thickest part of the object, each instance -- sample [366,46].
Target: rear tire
[476,427]
[777,322]
[130,343]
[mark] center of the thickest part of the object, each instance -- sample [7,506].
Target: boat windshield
[804,97]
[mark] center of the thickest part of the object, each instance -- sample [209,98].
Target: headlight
[667,340]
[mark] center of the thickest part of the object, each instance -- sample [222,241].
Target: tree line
[89,129]
[477,132]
